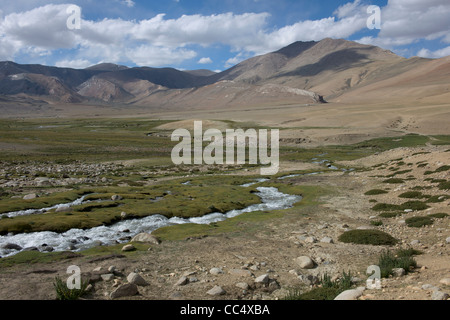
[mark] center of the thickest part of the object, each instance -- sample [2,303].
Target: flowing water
[77,239]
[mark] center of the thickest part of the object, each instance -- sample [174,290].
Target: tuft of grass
[64,293]
[418,222]
[388,261]
[328,289]
[370,237]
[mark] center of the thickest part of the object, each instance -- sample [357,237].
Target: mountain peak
[108,67]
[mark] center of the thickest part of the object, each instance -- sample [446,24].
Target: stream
[77,239]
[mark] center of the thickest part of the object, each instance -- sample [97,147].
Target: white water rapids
[271,199]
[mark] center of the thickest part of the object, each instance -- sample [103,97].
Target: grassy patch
[444,185]
[374,192]
[402,259]
[32,257]
[411,205]
[439,215]
[394,181]
[419,222]
[411,195]
[376,223]
[371,237]
[328,289]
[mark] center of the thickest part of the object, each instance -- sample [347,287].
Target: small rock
[305,262]
[310,240]
[137,279]
[107,277]
[30,196]
[353,294]
[439,295]
[216,271]
[125,290]
[309,280]
[326,240]
[128,247]
[447,240]
[243,285]
[264,279]
[112,269]
[123,215]
[116,198]
[216,291]
[415,242]
[445,281]
[240,272]
[429,287]
[182,281]
[398,272]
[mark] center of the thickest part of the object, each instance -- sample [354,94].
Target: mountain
[301,73]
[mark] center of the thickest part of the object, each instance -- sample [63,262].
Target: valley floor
[188,268]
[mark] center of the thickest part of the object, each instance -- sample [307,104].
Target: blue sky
[215,35]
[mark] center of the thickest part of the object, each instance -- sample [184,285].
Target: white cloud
[147,55]
[425,53]
[160,41]
[75,64]
[205,60]
[406,21]
[129,3]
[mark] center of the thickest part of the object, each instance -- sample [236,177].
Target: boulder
[12,246]
[30,196]
[305,262]
[128,247]
[216,291]
[353,294]
[124,290]
[137,279]
[146,238]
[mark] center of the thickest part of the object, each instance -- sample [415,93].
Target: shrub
[376,223]
[444,185]
[411,195]
[372,237]
[403,259]
[440,215]
[390,214]
[414,205]
[328,291]
[64,293]
[418,222]
[375,192]
[394,180]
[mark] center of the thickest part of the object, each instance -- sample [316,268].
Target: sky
[214,34]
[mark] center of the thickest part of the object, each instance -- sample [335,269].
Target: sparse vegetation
[327,290]
[374,192]
[418,222]
[64,293]
[401,259]
[371,237]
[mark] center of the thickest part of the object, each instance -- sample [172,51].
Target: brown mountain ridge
[301,73]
